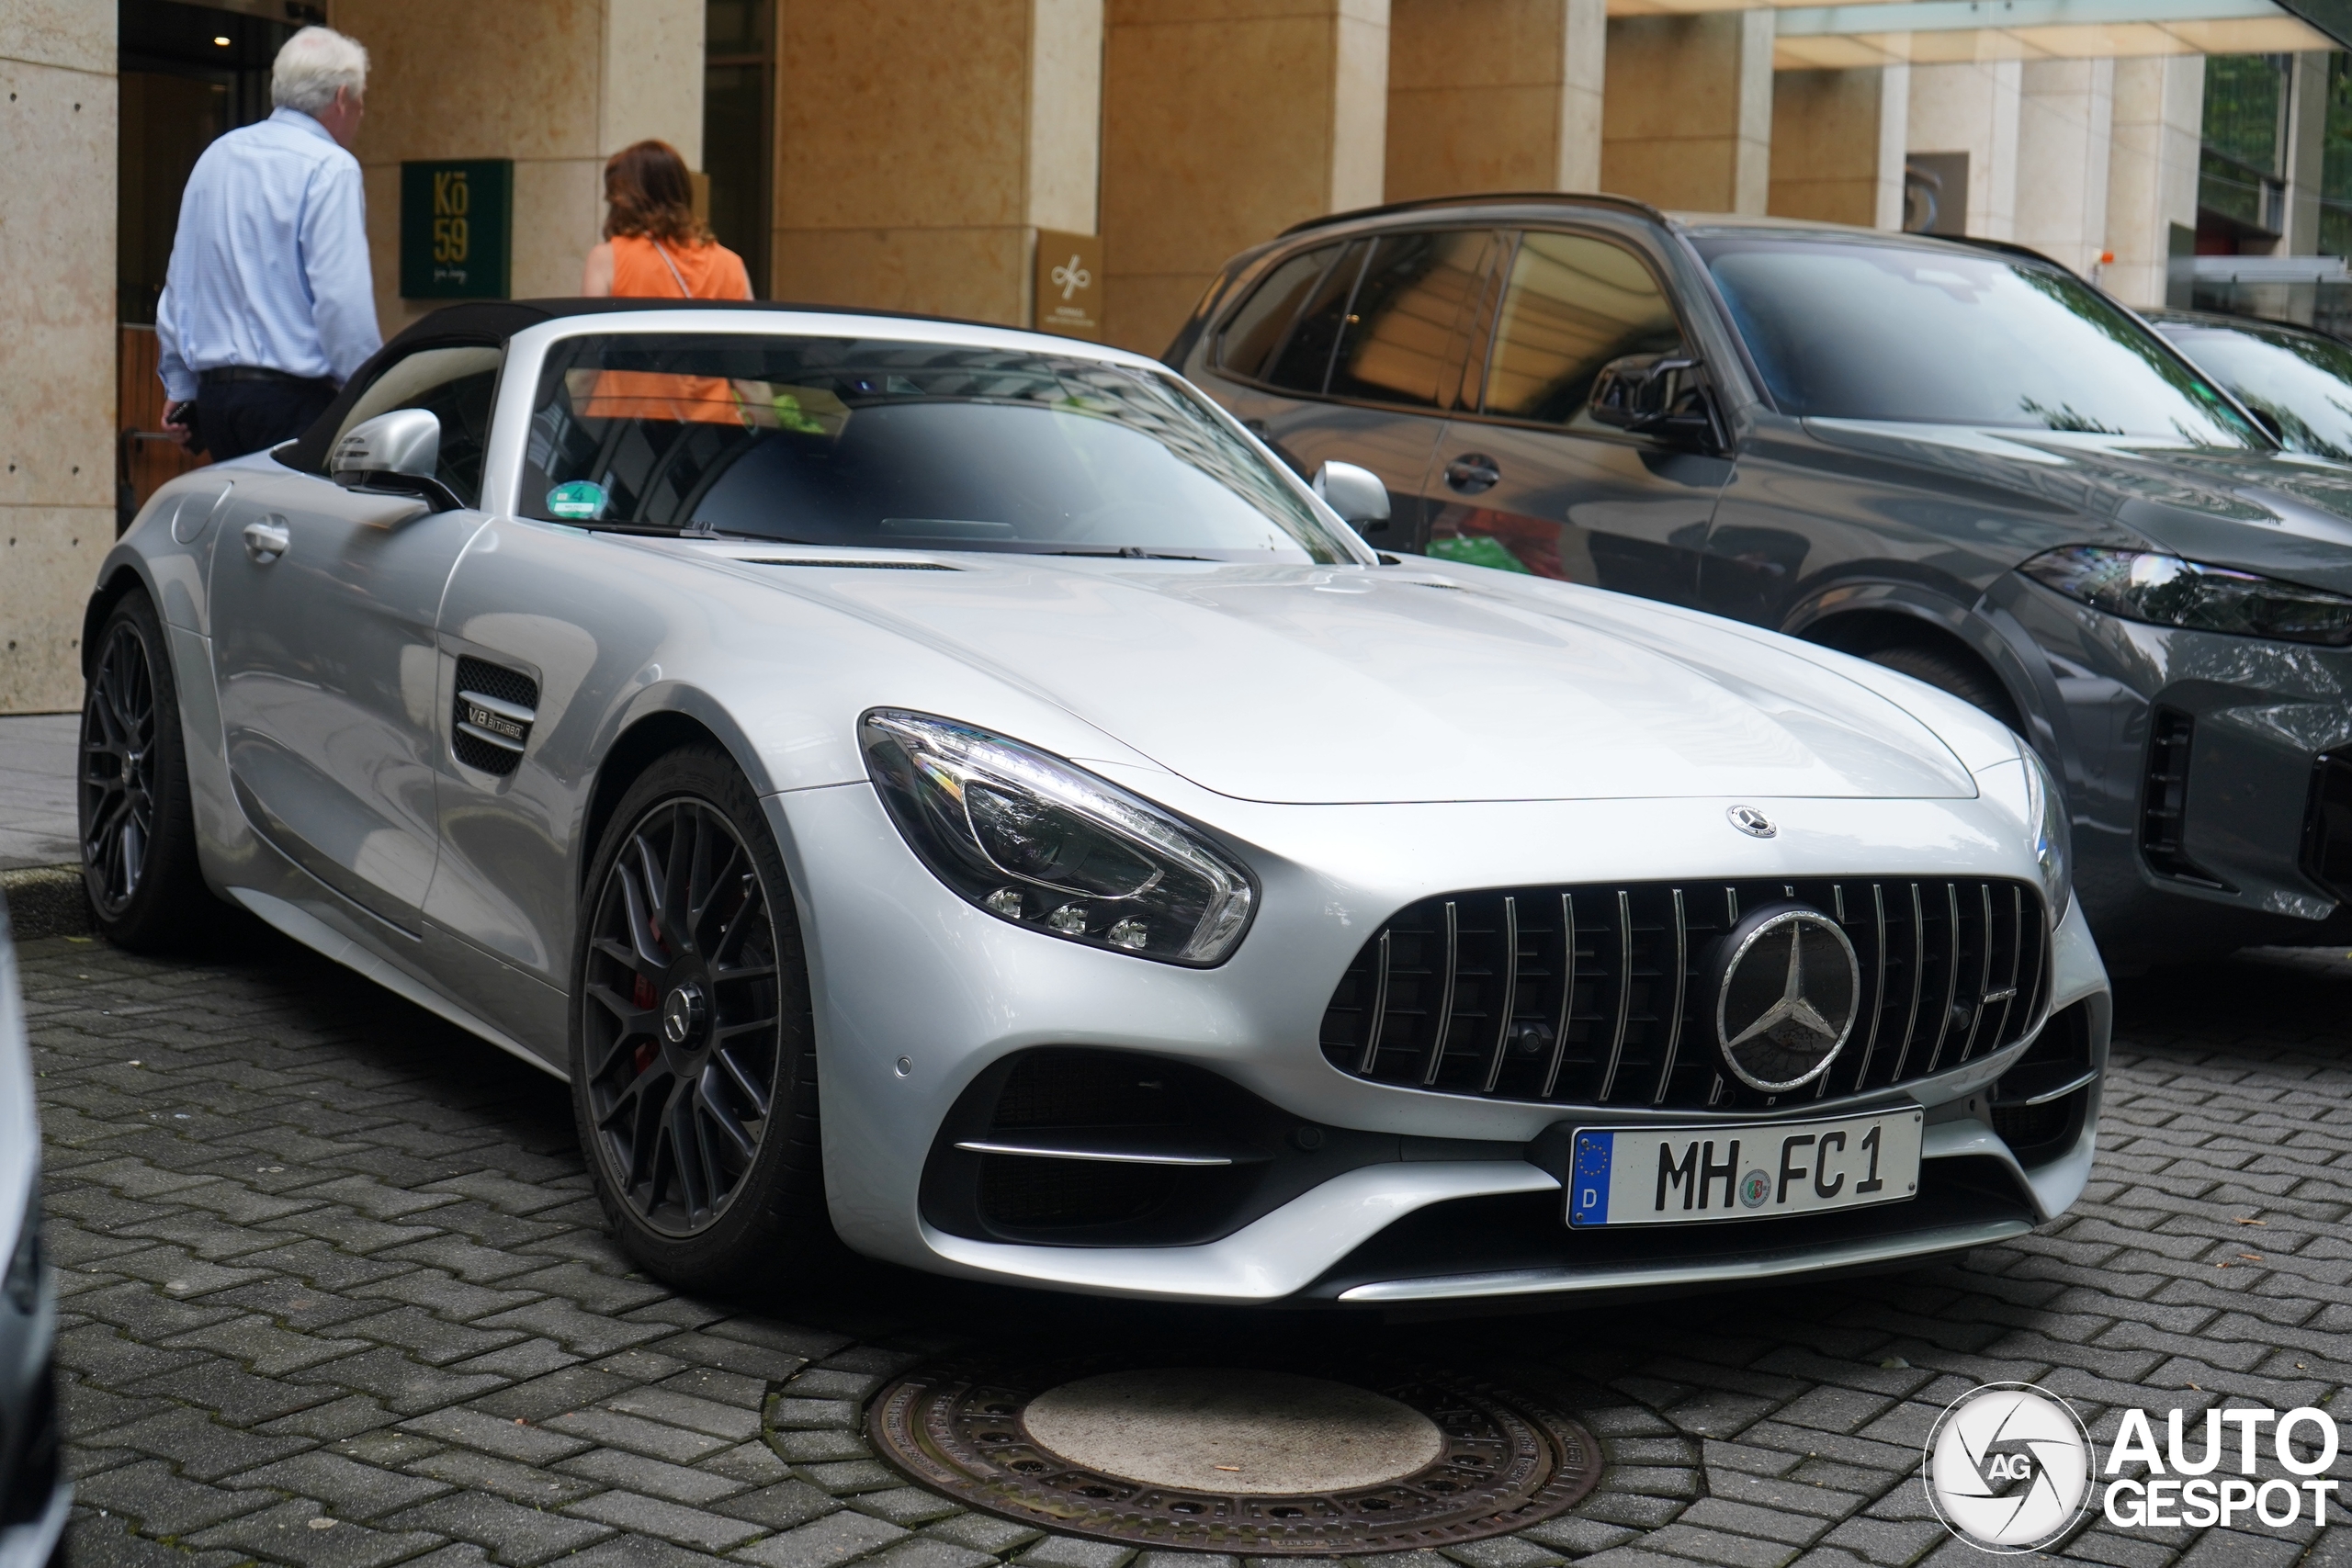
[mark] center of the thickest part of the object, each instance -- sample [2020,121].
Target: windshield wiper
[1121,552]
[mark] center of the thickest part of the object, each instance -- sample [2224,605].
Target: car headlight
[2045,811]
[2166,591]
[1051,848]
[23,1281]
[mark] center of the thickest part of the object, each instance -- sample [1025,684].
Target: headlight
[2167,590]
[2046,811]
[23,1283]
[1050,848]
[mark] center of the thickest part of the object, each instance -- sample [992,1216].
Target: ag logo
[2008,1468]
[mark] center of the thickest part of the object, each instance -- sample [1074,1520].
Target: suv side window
[458,384]
[1246,344]
[1574,303]
[1303,362]
[1398,339]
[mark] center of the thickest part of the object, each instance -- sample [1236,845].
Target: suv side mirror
[1356,495]
[398,452]
[1665,395]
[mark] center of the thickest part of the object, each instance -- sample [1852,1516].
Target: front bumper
[917,995]
[2189,763]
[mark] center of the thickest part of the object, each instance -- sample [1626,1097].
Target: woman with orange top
[656,249]
[655,246]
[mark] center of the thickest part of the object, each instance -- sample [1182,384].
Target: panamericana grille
[1476,993]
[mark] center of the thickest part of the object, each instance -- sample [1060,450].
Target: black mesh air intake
[484,679]
[1591,995]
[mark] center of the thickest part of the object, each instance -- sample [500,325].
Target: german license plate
[1666,1176]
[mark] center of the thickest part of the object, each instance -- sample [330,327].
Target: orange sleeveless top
[660,269]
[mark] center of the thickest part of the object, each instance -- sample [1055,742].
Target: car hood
[1414,682]
[2276,513]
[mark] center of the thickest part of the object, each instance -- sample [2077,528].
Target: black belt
[228,373]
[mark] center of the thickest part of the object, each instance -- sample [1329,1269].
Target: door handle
[266,540]
[1472,472]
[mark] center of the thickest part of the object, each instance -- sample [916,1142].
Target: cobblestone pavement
[336,1294]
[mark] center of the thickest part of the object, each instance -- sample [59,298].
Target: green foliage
[2244,97]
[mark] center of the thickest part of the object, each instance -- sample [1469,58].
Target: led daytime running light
[1047,846]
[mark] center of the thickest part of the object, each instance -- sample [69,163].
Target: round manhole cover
[1236,1459]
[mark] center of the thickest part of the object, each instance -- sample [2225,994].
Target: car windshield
[1844,329]
[900,445]
[2303,382]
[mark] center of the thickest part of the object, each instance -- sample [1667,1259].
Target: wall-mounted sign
[457,228]
[1069,284]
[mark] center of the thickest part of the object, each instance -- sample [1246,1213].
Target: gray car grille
[1469,993]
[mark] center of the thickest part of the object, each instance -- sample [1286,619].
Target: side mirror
[397,453]
[1356,495]
[1664,395]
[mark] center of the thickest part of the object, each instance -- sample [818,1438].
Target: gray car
[951,790]
[34,1493]
[1958,461]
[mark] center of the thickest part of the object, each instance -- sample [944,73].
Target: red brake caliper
[641,996]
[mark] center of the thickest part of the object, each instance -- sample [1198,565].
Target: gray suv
[1957,459]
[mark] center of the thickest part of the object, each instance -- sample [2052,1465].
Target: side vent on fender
[496,709]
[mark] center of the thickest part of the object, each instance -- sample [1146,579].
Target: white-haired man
[267,307]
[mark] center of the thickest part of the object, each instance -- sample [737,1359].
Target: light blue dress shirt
[269,268]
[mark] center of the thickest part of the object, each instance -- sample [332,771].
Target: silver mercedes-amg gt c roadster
[953,790]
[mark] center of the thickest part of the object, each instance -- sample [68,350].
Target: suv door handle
[1472,472]
[266,540]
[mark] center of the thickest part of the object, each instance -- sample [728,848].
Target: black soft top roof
[496,321]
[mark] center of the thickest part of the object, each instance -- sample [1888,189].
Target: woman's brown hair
[651,196]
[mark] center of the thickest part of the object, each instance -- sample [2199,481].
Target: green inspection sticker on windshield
[576,501]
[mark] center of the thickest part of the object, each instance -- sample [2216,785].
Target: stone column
[2306,130]
[1837,140]
[920,147]
[1225,123]
[1688,118]
[57,356]
[2065,134]
[2159,120]
[557,85]
[1972,109]
[1494,95]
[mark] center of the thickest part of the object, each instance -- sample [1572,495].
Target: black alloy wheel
[138,833]
[117,803]
[695,1077]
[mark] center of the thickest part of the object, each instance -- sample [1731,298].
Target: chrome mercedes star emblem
[1752,822]
[681,1010]
[1786,1003]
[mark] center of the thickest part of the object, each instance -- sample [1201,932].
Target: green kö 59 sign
[457,228]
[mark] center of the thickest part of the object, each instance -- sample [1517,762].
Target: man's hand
[176,423]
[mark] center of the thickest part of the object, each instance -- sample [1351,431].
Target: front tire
[137,830]
[694,1062]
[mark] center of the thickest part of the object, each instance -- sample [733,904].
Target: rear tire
[138,831]
[1969,683]
[693,1060]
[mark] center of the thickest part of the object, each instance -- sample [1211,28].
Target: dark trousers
[237,417]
